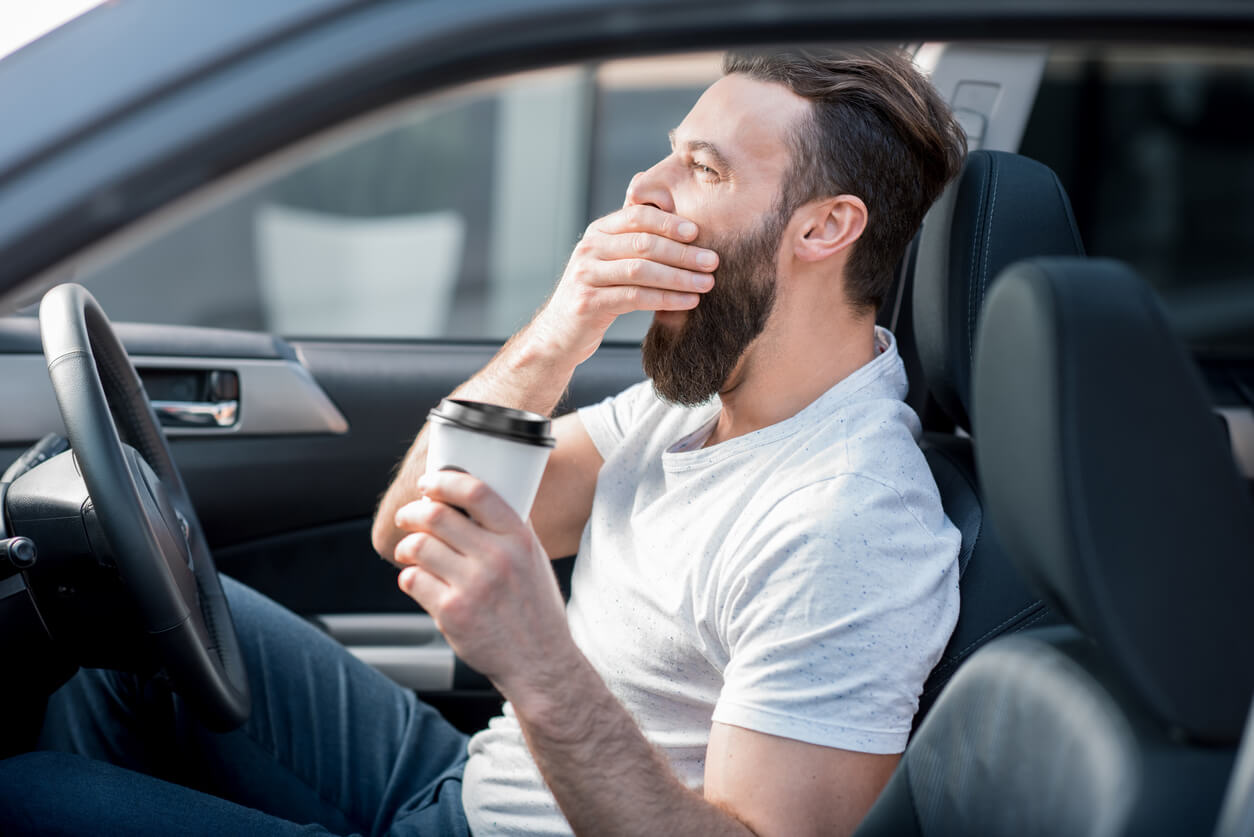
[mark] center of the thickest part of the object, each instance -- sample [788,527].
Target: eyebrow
[710,148]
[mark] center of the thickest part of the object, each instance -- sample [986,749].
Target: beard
[691,363]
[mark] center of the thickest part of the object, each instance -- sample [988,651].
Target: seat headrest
[1003,208]
[1112,484]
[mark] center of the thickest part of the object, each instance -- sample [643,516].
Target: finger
[439,519]
[623,299]
[422,587]
[428,552]
[485,506]
[649,274]
[656,248]
[644,274]
[650,219]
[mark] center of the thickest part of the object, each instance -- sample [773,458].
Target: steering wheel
[143,507]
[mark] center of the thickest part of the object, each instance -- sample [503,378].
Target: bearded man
[765,575]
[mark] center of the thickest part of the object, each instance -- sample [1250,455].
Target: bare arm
[605,775]
[631,260]
[609,780]
[781,786]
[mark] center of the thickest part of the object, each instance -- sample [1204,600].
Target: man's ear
[829,226]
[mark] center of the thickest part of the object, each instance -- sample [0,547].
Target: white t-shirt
[800,580]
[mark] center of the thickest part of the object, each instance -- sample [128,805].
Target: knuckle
[410,550]
[478,585]
[436,514]
[477,494]
[587,246]
[635,269]
[641,243]
[455,609]
[583,303]
[496,560]
[582,274]
[403,554]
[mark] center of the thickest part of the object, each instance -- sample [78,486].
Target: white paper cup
[503,447]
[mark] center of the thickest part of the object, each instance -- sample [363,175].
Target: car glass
[1151,144]
[451,221]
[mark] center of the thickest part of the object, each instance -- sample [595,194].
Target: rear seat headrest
[1109,481]
[1002,208]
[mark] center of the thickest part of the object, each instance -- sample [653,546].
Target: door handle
[219,414]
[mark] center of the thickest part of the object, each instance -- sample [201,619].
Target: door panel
[262,481]
[289,513]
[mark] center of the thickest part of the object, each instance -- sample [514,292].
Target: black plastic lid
[518,425]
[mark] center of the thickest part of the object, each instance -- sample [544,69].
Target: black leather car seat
[1001,209]
[1111,485]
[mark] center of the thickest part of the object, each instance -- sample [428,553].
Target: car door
[293,337]
[322,308]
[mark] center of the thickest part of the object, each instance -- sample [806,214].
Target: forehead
[748,120]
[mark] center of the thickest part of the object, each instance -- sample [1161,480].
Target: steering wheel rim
[180,600]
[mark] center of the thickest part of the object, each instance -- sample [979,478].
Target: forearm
[607,778]
[632,260]
[526,374]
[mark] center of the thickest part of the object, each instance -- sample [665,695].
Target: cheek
[697,204]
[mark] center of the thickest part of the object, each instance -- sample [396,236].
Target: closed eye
[704,170]
[696,152]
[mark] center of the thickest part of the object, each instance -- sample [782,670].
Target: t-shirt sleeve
[837,604]
[608,421]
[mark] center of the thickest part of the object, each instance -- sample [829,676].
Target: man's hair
[877,129]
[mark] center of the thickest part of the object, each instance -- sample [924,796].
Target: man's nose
[650,188]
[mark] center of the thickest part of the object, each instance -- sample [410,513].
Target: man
[776,559]
[765,574]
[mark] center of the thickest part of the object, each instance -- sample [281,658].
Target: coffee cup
[503,447]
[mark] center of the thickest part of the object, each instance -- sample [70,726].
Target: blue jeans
[332,746]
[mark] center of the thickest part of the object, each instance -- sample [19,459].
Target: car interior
[1119,721]
[1002,209]
[1088,408]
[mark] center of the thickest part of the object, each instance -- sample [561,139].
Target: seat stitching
[992,631]
[1069,216]
[988,246]
[970,646]
[979,526]
[960,469]
[1038,617]
[971,289]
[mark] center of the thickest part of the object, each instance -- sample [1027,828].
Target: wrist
[537,347]
[549,701]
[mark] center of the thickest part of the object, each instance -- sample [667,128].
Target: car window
[453,221]
[1160,170]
